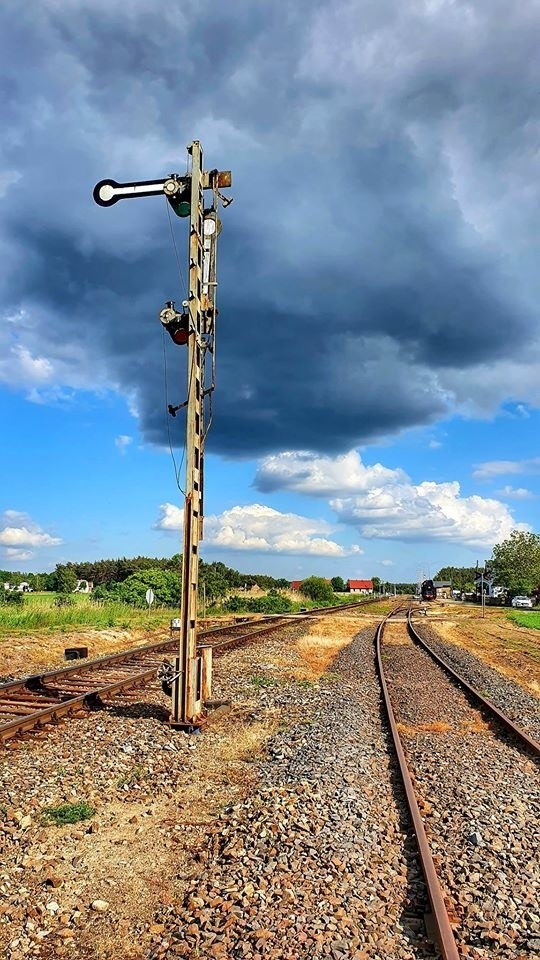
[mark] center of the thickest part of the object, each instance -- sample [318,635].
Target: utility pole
[483,595]
[194,327]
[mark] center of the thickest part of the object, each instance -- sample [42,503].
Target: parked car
[522,602]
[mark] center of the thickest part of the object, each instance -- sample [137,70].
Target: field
[38,612]
[503,639]
[531,620]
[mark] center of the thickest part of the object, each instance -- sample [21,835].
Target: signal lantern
[176,324]
[178,193]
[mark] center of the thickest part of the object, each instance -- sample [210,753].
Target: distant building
[443,589]
[485,578]
[84,586]
[360,586]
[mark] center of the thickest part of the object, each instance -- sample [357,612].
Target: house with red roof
[360,586]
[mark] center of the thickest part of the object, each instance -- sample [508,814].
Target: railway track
[47,697]
[462,761]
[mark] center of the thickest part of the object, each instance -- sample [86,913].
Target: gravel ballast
[522,707]
[199,847]
[318,861]
[480,800]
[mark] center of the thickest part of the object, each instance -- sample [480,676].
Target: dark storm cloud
[380,160]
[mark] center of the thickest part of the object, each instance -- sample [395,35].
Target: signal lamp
[181,201]
[176,324]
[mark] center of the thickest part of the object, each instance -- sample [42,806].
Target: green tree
[164,583]
[516,562]
[65,578]
[462,578]
[338,584]
[316,588]
[215,583]
[376,581]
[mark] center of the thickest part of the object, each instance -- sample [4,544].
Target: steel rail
[36,681]
[38,684]
[487,704]
[445,934]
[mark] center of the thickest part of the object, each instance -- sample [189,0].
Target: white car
[522,602]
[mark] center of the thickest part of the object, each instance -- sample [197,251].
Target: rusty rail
[42,698]
[443,927]
[485,703]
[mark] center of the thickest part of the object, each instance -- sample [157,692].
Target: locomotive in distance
[428,590]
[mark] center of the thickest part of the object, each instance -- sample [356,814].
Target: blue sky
[378,395]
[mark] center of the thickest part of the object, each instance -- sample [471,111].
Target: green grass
[531,619]
[262,681]
[68,813]
[39,613]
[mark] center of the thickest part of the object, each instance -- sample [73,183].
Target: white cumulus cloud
[386,504]
[262,529]
[12,553]
[18,530]
[427,511]
[322,476]
[516,493]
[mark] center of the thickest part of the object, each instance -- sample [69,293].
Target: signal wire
[165,379]
[180,274]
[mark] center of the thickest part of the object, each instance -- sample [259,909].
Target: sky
[377,393]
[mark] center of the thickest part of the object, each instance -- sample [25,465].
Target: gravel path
[318,861]
[517,703]
[480,803]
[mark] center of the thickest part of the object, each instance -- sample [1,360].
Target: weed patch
[68,813]
[133,776]
[262,681]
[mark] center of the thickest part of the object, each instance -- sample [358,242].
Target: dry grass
[243,741]
[396,635]
[478,725]
[318,649]
[411,730]
[29,654]
[507,647]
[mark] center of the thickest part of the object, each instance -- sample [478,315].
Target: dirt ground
[156,794]
[512,650]
[32,653]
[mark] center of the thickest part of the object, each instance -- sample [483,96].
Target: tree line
[514,565]
[128,578]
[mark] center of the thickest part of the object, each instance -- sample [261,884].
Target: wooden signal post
[195,327]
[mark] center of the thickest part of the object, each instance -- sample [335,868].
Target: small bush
[272,603]
[64,600]
[12,598]
[68,813]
